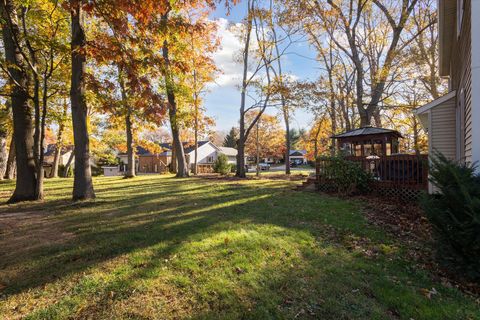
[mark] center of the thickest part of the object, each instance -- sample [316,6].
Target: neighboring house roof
[366,131]
[446,28]
[229,152]
[188,148]
[50,150]
[298,153]
[140,151]
[191,148]
[165,145]
[423,111]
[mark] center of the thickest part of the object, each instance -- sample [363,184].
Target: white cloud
[230,45]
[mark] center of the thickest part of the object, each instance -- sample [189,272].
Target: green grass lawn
[159,248]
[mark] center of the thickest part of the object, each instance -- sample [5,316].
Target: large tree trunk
[3,152]
[11,164]
[130,147]
[182,170]
[22,113]
[83,185]
[130,173]
[195,162]
[59,144]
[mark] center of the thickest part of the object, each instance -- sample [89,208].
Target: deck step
[305,184]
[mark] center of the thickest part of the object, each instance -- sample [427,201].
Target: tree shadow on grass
[223,250]
[101,230]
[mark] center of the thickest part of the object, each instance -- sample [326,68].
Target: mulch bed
[407,223]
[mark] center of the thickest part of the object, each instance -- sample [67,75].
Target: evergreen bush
[454,212]
[222,166]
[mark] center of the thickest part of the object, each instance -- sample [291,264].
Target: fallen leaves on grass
[407,223]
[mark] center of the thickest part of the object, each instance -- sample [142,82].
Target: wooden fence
[392,175]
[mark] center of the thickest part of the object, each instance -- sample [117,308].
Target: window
[210,159]
[358,150]
[460,12]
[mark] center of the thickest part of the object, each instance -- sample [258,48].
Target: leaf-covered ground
[159,248]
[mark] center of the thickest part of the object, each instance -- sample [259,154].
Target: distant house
[49,155]
[49,158]
[298,156]
[207,153]
[453,121]
[146,161]
[149,162]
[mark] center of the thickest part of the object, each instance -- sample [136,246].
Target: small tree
[222,166]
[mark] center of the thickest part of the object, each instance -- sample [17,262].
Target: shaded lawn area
[159,248]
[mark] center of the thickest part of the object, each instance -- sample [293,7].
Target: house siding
[443,129]
[461,76]
[152,164]
[205,152]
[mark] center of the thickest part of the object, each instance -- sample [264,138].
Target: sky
[223,99]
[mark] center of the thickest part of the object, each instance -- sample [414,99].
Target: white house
[231,154]
[207,153]
[453,121]
[298,156]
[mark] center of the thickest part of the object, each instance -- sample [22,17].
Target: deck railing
[405,171]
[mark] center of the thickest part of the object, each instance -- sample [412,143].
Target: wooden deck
[392,175]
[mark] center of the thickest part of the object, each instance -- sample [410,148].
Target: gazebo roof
[367,131]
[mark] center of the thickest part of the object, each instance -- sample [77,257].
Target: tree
[271,137]
[222,166]
[231,138]
[16,71]
[59,143]
[264,57]
[280,80]
[82,185]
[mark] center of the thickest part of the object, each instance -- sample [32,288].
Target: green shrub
[454,212]
[222,166]
[346,177]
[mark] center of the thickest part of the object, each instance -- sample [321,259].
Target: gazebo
[368,141]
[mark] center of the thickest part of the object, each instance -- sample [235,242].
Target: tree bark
[130,173]
[11,165]
[3,153]
[22,113]
[59,144]
[242,138]
[182,170]
[83,185]
[130,147]
[69,164]
[195,163]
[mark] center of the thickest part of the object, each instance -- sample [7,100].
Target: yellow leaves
[271,136]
